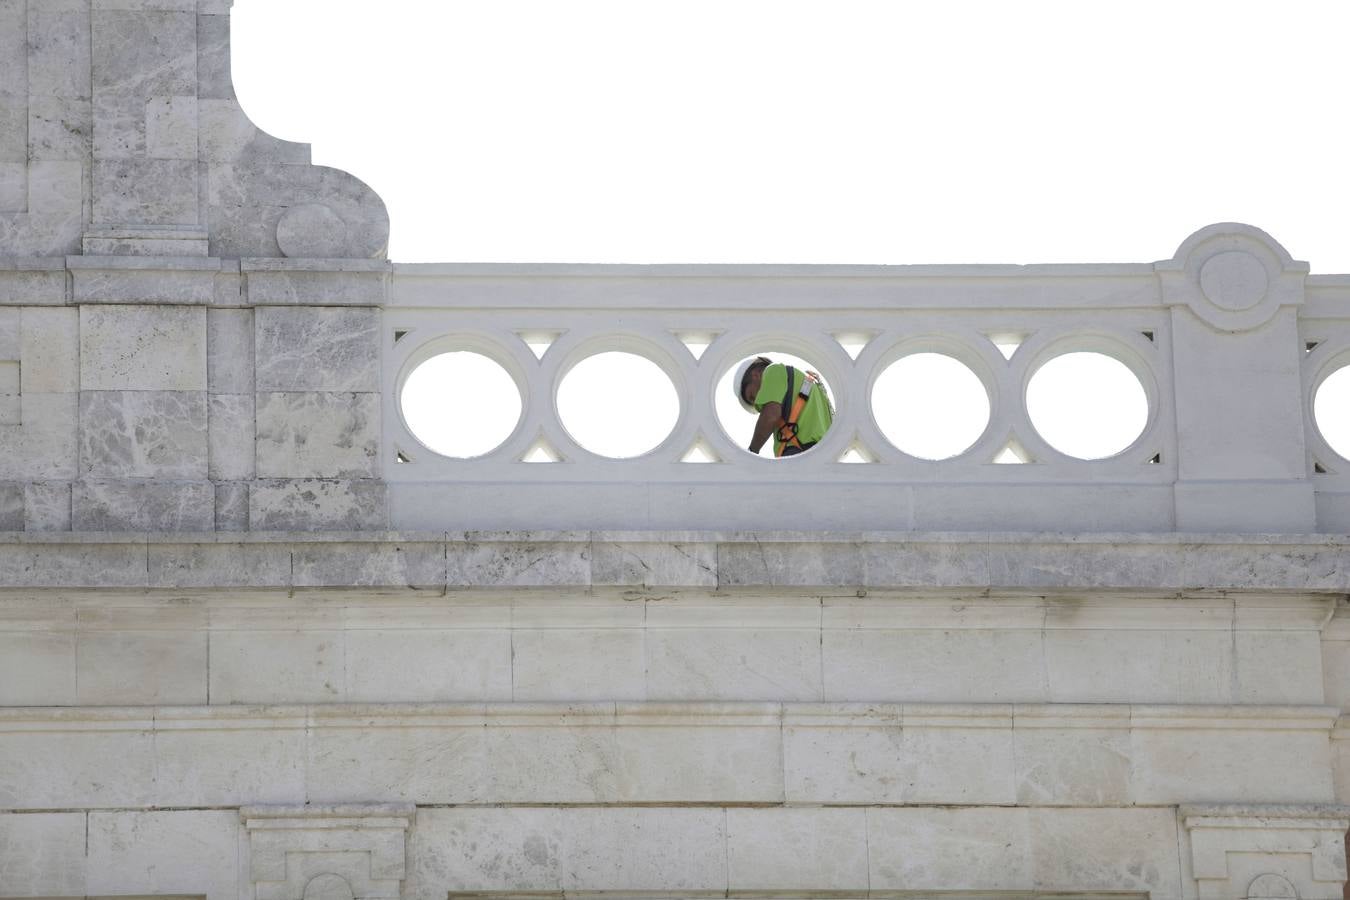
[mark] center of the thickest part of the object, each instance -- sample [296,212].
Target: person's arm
[770,420]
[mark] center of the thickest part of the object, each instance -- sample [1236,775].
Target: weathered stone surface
[1013,849]
[37,667]
[229,351]
[169,852]
[143,434]
[317,505]
[477,561]
[232,506]
[50,350]
[227,560]
[788,848]
[318,435]
[230,441]
[44,854]
[11,506]
[44,447]
[317,349]
[46,506]
[142,348]
[143,506]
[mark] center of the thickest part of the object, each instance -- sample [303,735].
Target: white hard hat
[738,379]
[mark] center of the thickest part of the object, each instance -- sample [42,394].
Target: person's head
[747,379]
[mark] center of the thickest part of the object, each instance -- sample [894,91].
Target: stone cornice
[1160,565]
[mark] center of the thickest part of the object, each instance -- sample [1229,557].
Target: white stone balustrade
[1217,336]
[258,643]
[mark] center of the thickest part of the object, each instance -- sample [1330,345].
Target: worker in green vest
[791,404]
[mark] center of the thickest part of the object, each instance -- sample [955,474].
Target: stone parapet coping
[1004,716]
[1160,564]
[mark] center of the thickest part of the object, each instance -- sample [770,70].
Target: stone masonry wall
[149,380]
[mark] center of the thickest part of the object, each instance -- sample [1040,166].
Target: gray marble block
[229,351]
[317,505]
[318,349]
[232,506]
[318,435]
[143,434]
[46,506]
[142,348]
[230,450]
[143,506]
[11,506]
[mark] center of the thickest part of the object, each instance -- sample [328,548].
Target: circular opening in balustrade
[618,405]
[460,404]
[930,405]
[1331,410]
[1087,405]
[738,423]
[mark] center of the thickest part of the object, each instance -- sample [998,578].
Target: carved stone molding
[1253,851]
[1233,277]
[327,852]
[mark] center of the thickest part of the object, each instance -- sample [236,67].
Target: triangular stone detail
[1013,453]
[1007,342]
[700,451]
[539,341]
[853,342]
[857,452]
[541,451]
[697,341]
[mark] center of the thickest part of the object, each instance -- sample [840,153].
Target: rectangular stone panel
[142,348]
[229,351]
[37,668]
[316,348]
[78,563]
[49,350]
[428,664]
[62,770]
[788,849]
[232,506]
[44,447]
[46,506]
[318,435]
[930,664]
[1141,666]
[143,506]
[438,763]
[579,664]
[277,666]
[142,667]
[192,852]
[60,128]
[11,506]
[661,758]
[229,761]
[222,562]
[59,49]
[485,849]
[143,434]
[317,505]
[43,852]
[644,849]
[145,191]
[230,443]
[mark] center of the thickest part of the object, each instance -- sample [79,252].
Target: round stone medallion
[1234,280]
[312,230]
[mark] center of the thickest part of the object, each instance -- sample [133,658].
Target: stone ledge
[612,753]
[1177,564]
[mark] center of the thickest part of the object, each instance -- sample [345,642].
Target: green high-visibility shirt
[815,418]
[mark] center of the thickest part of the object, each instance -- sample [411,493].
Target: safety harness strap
[791,409]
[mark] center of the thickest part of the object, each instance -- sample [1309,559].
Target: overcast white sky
[847,131]
[840,131]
